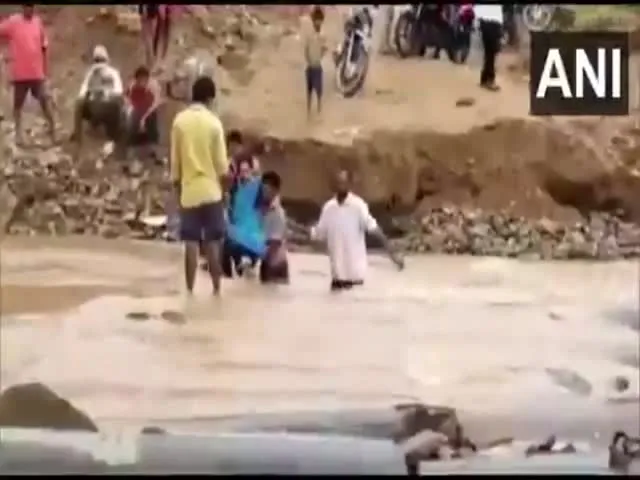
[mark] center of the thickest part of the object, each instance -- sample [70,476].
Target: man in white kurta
[344,221]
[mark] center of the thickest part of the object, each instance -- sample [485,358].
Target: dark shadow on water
[571,380]
[629,359]
[626,317]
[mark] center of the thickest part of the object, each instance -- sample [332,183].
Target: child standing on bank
[315,47]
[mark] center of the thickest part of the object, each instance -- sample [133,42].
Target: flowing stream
[511,344]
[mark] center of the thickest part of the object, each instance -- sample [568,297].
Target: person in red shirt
[144,96]
[28,45]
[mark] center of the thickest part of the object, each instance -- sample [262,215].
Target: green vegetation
[606,17]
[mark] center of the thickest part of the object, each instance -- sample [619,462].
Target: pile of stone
[457,231]
[50,192]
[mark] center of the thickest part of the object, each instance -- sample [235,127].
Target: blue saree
[245,225]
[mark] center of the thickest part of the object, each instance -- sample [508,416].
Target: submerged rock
[34,405]
[415,418]
[549,447]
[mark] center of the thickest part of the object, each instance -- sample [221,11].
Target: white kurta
[343,227]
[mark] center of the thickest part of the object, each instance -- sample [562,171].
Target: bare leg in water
[212,255]
[190,264]
[212,252]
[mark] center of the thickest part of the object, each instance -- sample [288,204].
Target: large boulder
[34,405]
[417,417]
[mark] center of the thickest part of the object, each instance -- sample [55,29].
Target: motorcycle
[413,35]
[352,57]
[408,34]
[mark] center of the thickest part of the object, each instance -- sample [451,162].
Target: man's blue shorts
[205,222]
[314,80]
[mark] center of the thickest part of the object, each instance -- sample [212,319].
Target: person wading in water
[344,221]
[200,171]
[274,267]
[245,240]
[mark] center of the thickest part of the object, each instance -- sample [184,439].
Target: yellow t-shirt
[198,156]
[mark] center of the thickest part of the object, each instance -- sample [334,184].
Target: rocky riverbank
[50,193]
[454,180]
[455,231]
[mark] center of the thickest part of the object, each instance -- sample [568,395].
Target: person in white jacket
[344,221]
[101,97]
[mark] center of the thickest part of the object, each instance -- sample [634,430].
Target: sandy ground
[400,94]
[493,337]
[267,89]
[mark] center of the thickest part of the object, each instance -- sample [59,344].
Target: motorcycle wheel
[537,17]
[403,35]
[350,85]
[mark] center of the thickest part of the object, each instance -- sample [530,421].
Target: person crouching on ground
[200,170]
[315,47]
[145,96]
[343,223]
[490,18]
[274,267]
[100,99]
[28,66]
[245,240]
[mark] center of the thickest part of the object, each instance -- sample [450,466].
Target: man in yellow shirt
[199,170]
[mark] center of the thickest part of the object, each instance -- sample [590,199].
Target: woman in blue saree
[245,234]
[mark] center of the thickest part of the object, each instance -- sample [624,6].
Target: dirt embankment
[410,141]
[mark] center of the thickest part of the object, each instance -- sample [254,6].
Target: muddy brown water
[516,346]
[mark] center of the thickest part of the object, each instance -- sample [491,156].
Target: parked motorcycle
[352,58]
[409,34]
[413,34]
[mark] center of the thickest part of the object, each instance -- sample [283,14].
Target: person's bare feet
[492,87]
[20,141]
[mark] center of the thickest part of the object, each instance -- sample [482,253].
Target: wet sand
[517,346]
[46,299]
